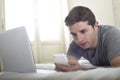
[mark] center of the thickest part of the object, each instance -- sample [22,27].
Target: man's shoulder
[109,33]
[107,29]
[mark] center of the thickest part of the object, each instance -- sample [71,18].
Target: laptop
[16,52]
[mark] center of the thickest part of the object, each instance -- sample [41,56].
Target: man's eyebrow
[81,31]
[72,33]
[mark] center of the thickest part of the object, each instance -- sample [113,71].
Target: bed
[46,73]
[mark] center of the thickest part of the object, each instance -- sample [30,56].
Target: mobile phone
[61,59]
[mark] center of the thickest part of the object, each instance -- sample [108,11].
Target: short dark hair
[80,13]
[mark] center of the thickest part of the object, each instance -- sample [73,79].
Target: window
[49,19]
[43,20]
[19,13]
[47,22]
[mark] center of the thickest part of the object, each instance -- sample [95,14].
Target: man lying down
[99,44]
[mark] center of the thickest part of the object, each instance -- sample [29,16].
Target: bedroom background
[44,20]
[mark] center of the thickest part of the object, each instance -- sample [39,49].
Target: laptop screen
[16,52]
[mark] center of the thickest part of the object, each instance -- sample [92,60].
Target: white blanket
[94,74]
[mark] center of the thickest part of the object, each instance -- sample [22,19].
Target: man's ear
[96,24]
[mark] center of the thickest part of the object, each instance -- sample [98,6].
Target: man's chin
[84,47]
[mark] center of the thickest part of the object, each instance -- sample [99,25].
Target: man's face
[84,35]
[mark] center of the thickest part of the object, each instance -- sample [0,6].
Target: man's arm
[115,62]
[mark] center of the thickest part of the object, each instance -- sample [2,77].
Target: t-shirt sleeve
[112,42]
[74,50]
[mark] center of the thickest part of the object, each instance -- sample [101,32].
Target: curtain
[1,15]
[1,24]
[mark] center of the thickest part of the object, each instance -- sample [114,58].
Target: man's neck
[92,51]
[96,40]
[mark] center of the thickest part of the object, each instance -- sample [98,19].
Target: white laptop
[16,52]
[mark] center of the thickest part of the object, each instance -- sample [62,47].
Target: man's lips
[82,44]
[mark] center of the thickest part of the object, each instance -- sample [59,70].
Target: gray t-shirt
[108,47]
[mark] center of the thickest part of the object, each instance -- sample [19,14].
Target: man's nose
[79,38]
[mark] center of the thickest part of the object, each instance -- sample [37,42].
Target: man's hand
[73,65]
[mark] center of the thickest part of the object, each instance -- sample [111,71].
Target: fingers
[73,65]
[72,60]
[63,68]
[70,57]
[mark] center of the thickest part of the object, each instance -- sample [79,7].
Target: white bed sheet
[47,72]
[94,74]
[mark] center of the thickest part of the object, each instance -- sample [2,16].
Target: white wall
[117,12]
[103,9]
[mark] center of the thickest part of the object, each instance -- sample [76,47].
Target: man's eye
[73,34]
[83,31]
